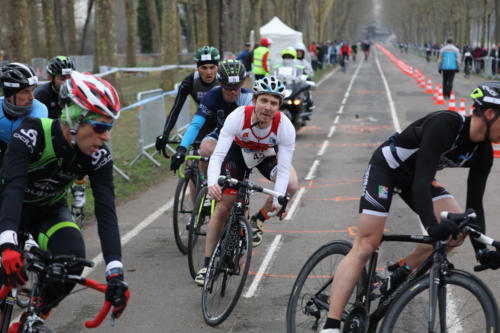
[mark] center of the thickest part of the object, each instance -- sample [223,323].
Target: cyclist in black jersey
[44,156]
[196,84]
[406,164]
[59,69]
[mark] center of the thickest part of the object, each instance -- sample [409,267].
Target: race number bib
[467,54]
[254,157]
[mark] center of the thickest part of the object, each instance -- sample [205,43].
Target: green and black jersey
[40,165]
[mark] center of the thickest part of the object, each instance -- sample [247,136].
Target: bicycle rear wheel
[198,231]
[463,306]
[182,210]
[309,300]
[226,275]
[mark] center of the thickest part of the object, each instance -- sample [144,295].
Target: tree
[154,25]
[50,28]
[144,26]
[321,9]
[90,5]
[34,29]
[105,40]
[60,24]
[201,22]
[70,26]
[130,11]
[497,21]
[17,31]
[170,44]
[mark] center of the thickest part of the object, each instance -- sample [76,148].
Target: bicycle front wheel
[198,231]
[463,306]
[226,275]
[182,210]
[309,301]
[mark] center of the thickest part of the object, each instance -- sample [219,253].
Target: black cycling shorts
[235,165]
[381,182]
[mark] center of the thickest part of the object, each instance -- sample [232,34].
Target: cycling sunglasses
[100,127]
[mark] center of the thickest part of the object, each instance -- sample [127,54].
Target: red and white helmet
[90,93]
[265,41]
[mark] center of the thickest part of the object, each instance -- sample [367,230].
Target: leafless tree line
[44,28]
[467,22]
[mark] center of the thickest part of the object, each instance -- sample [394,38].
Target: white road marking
[312,170]
[330,133]
[327,76]
[295,203]
[132,233]
[260,273]
[323,148]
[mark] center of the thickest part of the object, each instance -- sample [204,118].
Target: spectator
[449,64]
[494,54]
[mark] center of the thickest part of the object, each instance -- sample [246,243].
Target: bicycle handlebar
[282,199]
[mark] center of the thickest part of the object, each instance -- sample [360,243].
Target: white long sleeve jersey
[237,127]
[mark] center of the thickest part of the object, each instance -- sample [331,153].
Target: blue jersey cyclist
[18,84]
[215,106]
[197,85]
[43,157]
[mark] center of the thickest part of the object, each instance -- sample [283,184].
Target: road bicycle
[230,260]
[435,297]
[190,182]
[47,269]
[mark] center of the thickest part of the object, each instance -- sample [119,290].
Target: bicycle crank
[355,322]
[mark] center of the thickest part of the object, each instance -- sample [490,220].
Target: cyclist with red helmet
[262,59]
[43,158]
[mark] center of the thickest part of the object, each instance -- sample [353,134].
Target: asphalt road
[352,116]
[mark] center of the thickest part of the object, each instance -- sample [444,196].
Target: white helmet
[300,47]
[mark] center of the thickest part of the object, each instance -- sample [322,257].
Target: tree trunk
[213,25]
[50,29]
[155,25]
[191,26]
[59,22]
[255,21]
[170,41]
[70,26]
[131,12]
[202,25]
[85,26]
[34,29]
[484,25]
[497,21]
[17,31]
[105,43]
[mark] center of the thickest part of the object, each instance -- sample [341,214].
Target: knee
[364,248]
[293,187]
[206,149]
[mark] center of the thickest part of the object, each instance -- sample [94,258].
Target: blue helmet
[269,85]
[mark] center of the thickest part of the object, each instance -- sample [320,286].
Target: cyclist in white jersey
[252,136]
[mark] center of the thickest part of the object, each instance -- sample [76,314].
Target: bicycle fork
[437,291]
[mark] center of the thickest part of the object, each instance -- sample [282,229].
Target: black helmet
[486,95]
[206,55]
[60,65]
[231,73]
[15,77]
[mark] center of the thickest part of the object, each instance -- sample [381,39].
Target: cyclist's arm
[286,147]
[24,147]
[437,136]
[193,130]
[476,185]
[230,129]
[185,87]
[101,182]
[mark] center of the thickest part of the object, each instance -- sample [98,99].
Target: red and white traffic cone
[496,149]
[428,90]
[451,105]
[461,109]
[440,99]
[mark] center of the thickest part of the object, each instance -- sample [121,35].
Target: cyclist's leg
[58,234]
[207,147]
[442,201]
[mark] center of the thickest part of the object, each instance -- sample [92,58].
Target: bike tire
[315,275]
[217,303]
[181,214]
[198,232]
[477,306]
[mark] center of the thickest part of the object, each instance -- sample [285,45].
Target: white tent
[281,35]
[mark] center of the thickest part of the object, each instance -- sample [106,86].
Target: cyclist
[406,164]
[59,69]
[467,56]
[18,82]
[344,53]
[365,46]
[354,49]
[196,84]
[215,106]
[288,57]
[43,157]
[247,140]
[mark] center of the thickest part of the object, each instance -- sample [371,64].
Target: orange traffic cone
[428,90]
[422,81]
[496,149]
[451,105]
[461,109]
[440,99]
[436,92]
[471,109]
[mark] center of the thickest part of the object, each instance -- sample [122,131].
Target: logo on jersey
[28,137]
[383,192]
[100,158]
